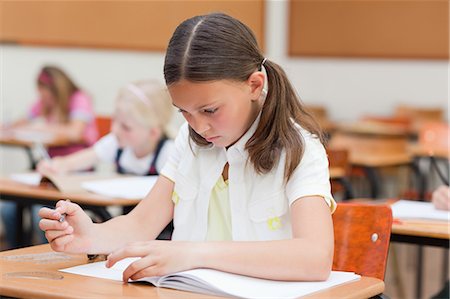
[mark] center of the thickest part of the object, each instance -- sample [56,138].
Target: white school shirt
[259,204]
[106,150]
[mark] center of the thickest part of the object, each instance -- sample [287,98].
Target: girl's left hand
[157,258]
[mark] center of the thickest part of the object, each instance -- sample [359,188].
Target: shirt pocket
[270,218]
[184,195]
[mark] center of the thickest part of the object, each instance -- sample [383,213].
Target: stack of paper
[408,209]
[126,187]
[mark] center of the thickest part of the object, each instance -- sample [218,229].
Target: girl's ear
[256,84]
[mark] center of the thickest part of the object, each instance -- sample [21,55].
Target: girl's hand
[441,198]
[157,258]
[53,166]
[74,234]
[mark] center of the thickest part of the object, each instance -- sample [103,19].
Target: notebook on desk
[213,282]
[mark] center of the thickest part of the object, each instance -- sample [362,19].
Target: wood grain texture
[369,28]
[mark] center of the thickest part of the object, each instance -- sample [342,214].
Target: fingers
[134,250]
[144,267]
[66,207]
[47,224]
[59,244]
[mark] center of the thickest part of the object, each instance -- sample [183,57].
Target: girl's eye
[181,110]
[210,111]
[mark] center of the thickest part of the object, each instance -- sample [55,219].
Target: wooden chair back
[103,125]
[362,234]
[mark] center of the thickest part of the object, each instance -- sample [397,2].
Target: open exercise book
[108,184]
[219,283]
[409,209]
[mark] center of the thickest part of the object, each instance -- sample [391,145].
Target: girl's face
[220,111]
[47,97]
[129,132]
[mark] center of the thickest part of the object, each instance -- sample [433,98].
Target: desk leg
[419,275]
[30,157]
[20,232]
[374,181]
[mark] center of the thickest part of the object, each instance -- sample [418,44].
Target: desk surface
[371,128]
[27,137]
[422,228]
[76,286]
[422,151]
[9,187]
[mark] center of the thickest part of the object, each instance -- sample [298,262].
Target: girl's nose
[200,125]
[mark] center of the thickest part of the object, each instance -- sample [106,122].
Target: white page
[127,187]
[222,282]
[408,209]
[29,178]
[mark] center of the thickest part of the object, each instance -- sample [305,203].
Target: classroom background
[353,58]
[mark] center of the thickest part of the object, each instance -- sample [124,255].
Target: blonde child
[248,184]
[138,143]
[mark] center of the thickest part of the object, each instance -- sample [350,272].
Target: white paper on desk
[127,187]
[28,178]
[408,209]
[219,283]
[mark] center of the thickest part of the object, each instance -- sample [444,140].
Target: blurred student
[139,142]
[64,111]
[139,139]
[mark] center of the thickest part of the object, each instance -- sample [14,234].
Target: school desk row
[363,151]
[435,233]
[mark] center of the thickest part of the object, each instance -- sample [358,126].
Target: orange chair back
[103,125]
[362,234]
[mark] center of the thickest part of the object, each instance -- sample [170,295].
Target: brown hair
[61,87]
[219,47]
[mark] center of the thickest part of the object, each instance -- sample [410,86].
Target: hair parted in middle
[219,47]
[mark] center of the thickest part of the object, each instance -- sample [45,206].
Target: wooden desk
[26,138]
[25,195]
[76,286]
[372,128]
[370,152]
[422,232]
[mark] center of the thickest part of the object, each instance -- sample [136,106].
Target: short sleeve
[81,107]
[106,148]
[181,145]
[164,154]
[311,177]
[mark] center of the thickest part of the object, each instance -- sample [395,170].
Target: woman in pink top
[67,111]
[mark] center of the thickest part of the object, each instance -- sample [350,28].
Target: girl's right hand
[53,166]
[74,234]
